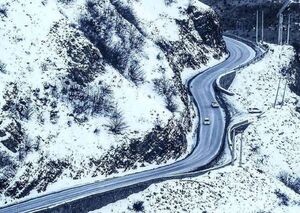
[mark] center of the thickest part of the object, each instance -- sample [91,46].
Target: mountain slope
[91,89]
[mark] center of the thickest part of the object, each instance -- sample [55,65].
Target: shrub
[81,107]
[254,148]
[138,206]
[167,89]
[44,2]
[283,198]
[3,11]
[169,2]
[170,105]
[44,67]
[2,67]
[162,70]
[24,148]
[290,181]
[117,124]
[101,100]
[87,99]
[65,1]
[135,74]
[25,111]
[54,116]
[164,87]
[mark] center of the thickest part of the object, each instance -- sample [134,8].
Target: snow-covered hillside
[92,88]
[268,181]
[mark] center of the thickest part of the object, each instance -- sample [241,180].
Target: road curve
[207,148]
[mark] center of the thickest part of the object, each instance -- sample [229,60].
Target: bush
[283,198]
[25,111]
[290,181]
[2,67]
[170,105]
[254,148]
[101,100]
[170,2]
[77,95]
[86,99]
[117,124]
[164,87]
[65,1]
[135,74]
[3,11]
[44,67]
[167,89]
[138,206]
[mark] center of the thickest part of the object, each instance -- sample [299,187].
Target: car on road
[254,110]
[215,104]
[206,121]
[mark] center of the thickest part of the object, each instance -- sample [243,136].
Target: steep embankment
[91,89]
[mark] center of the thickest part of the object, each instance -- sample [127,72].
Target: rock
[12,133]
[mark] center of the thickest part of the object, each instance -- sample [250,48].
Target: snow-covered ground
[42,137]
[271,149]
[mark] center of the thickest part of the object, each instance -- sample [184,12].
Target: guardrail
[261,51]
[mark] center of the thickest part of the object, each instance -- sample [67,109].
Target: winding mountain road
[207,148]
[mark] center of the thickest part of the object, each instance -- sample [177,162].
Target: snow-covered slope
[94,88]
[268,181]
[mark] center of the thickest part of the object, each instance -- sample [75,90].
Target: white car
[206,121]
[215,104]
[254,110]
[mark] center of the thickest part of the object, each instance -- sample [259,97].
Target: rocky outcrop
[157,147]
[11,135]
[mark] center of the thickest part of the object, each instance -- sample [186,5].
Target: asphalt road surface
[207,148]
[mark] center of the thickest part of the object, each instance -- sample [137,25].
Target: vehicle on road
[215,104]
[254,110]
[206,121]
